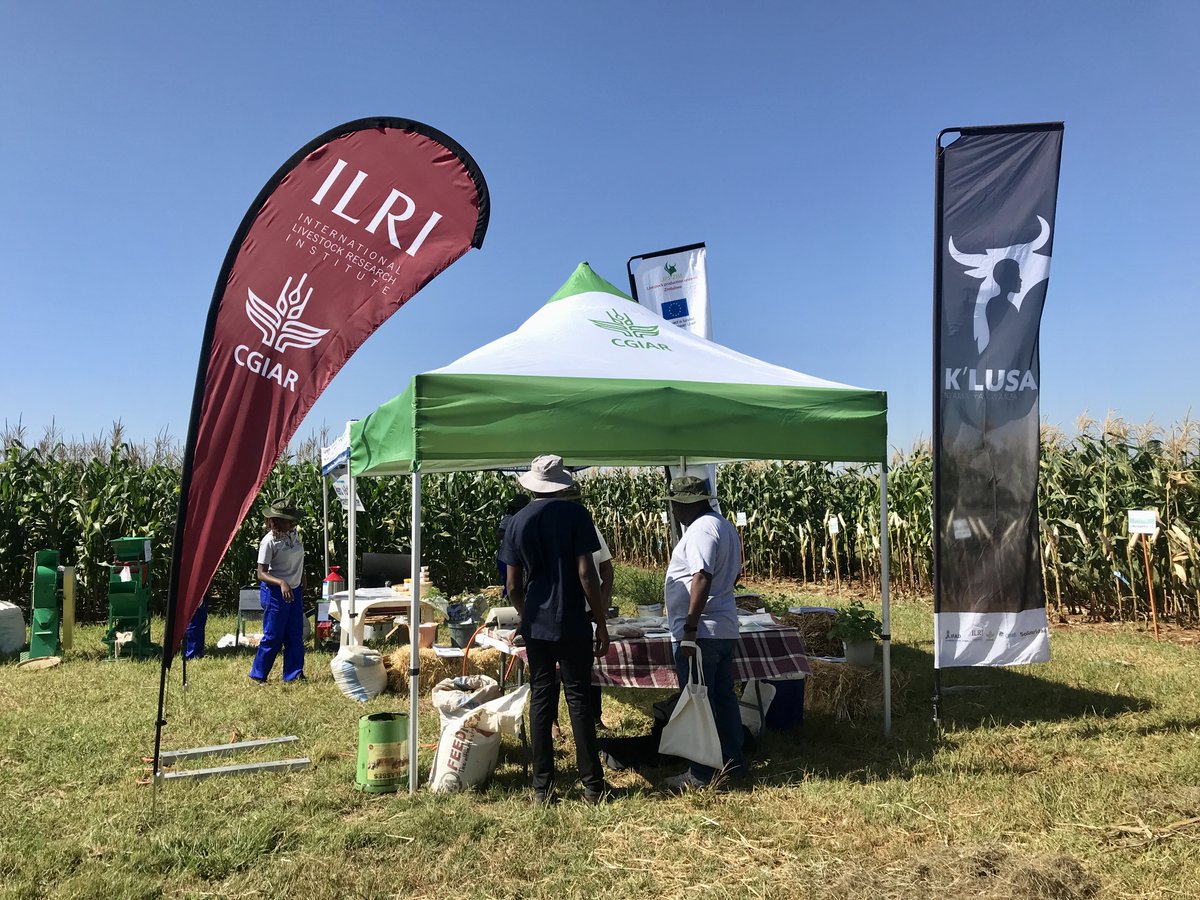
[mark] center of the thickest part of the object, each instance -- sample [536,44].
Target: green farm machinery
[129,585]
[51,608]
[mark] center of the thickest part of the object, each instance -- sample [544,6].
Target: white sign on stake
[834,525]
[1143,521]
[341,487]
[741,520]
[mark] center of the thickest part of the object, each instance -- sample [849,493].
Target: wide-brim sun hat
[546,475]
[688,489]
[281,508]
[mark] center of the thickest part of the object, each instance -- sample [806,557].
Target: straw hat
[546,475]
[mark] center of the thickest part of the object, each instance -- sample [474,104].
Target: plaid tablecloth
[648,662]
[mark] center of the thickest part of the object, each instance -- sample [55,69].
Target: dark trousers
[574,659]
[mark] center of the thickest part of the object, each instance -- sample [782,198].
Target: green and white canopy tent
[600,380]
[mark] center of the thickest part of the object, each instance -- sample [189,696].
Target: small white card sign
[1143,521]
[741,520]
[834,525]
[341,487]
[663,516]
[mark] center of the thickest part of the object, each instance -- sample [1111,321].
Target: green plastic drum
[382,752]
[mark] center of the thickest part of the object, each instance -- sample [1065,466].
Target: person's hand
[688,649]
[286,590]
[601,648]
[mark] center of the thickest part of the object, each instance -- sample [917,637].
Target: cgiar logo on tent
[281,328]
[1006,275]
[623,324]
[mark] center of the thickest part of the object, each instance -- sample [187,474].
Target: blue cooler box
[787,709]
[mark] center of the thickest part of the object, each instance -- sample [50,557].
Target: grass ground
[1079,778]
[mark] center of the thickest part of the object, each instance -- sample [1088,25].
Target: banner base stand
[170,757]
[279,765]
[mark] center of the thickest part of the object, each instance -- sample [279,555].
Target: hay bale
[814,630]
[849,692]
[434,668]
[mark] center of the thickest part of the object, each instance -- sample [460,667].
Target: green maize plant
[75,497]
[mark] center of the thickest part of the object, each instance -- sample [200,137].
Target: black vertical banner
[997,192]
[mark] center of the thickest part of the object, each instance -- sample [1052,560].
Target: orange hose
[470,644]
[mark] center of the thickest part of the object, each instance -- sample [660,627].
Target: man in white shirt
[702,613]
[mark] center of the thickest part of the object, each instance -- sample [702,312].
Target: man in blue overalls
[281,571]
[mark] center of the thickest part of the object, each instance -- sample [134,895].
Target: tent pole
[414,631]
[351,568]
[885,599]
[325,518]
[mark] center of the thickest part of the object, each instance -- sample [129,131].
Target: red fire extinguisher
[333,584]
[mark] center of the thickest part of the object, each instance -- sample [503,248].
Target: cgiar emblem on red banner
[280,324]
[345,233]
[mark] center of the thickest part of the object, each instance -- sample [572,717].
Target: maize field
[75,497]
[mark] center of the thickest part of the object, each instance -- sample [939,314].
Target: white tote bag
[692,731]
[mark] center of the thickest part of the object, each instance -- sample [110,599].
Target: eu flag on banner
[675,309]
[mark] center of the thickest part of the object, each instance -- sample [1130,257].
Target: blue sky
[796,139]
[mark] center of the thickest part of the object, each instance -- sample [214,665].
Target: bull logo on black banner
[1006,275]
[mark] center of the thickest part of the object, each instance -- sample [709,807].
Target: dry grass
[1072,780]
[850,692]
[435,668]
[814,629]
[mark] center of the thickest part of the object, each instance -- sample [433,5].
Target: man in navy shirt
[553,585]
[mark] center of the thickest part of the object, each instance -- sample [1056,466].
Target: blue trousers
[283,626]
[194,636]
[718,675]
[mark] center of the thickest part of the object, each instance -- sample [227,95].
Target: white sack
[504,714]
[452,697]
[12,628]
[359,673]
[466,756]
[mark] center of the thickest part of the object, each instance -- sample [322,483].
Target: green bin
[382,752]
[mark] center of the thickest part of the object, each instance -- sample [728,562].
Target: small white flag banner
[336,457]
[674,284]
